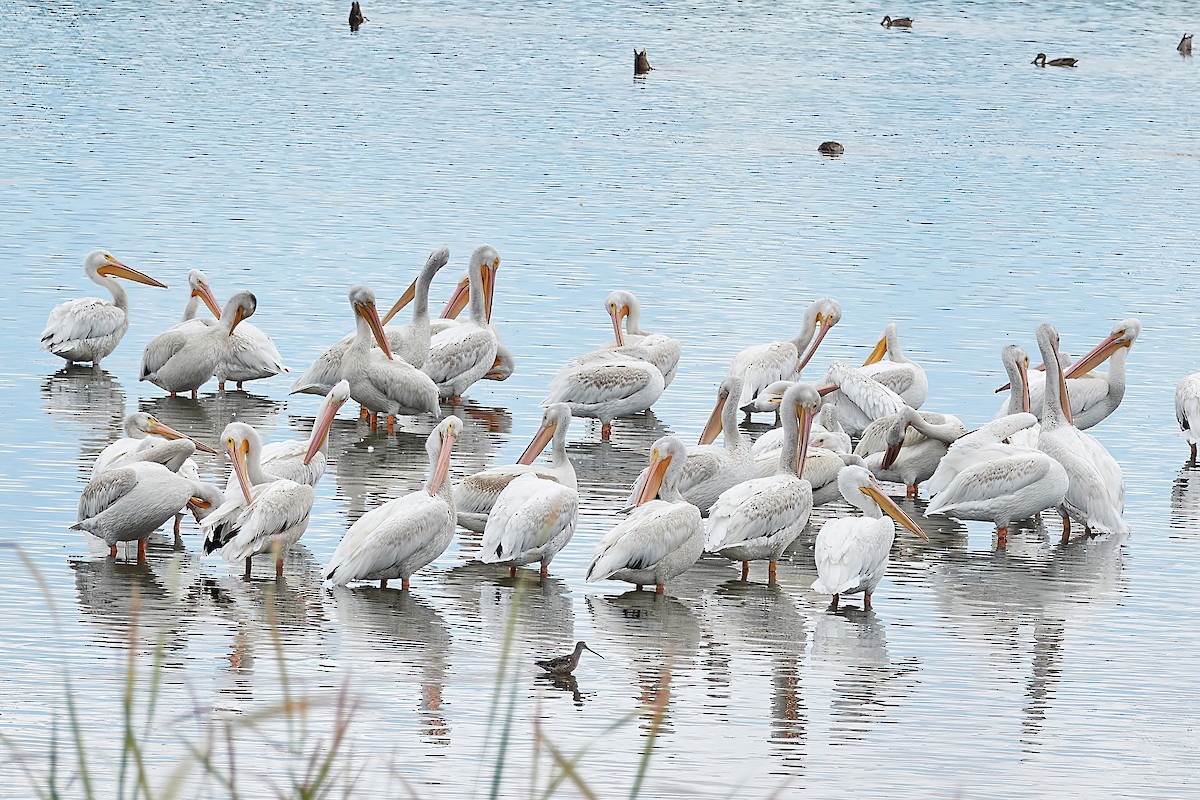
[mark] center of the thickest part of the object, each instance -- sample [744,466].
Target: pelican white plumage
[1096,491]
[88,329]
[303,461]
[1187,411]
[852,552]
[1093,395]
[405,534]
[859,399]
[899,373]
[606,389]
[476,495]
[827,430]
[505,363]
[759,518]
[269,515]
[409,342]
[761,365]
[532,519]
[182,358]
[710,469]
[987,443]
[906,447]
[378,382]
[463,354]
[660,350]
[140,428]
[661,538]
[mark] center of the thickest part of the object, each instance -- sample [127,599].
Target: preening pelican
[502,368]
[1093,395]
[140,428]
[90,328]
[660,350]
[462,355]
[304,461]
[906,447]
[532,519]
[1096,491]
[711,469]
[763,364]
[409,342]
[377,381]
[827,430]
[899,373]
[852,552]
[987,443]
[267,516]
[182,359]
[759,518]
[402,535]
[476,495]
[859,399]
[1187,411]
[607,389]
[661,538]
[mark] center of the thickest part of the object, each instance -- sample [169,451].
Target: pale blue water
[978,196]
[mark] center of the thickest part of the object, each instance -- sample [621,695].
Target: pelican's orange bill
[116,269]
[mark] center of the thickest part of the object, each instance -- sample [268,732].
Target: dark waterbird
[830,148]
[641,64]
[1040,61]
[565,665]
[902,22]
[356,16]
[1185,45]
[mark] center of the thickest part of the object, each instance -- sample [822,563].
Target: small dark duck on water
[1040,61]
[1185,45]
[830,148]
[565,665]
[356,16]
[641,64]
[902,22]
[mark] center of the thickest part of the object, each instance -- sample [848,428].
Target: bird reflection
[565,683]
[399,631]
[540,609]
[1185,502]
[91,398]
[207,417]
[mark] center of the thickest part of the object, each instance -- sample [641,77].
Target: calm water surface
[978,197]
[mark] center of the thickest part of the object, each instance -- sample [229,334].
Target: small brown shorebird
[565,665]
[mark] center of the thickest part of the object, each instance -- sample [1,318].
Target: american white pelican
[606,390]
[759,518]
[182,359]
[462,355]
[761,365]
[139,428]
[1094,395]
[402,535]
[303,461]
[532,519]
[860,400]
[989,442]
[852,552]
[710,469]
[1096,492]
[476,495]
[377,381]
[409,342]
[89,329]
[661,538]
[1187,411]
[899,373]
[660,350]
[128,503]
[267,516]
[502,368]
[827,430]
[906,447]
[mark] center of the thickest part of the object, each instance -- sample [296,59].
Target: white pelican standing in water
[463,354]
[852,552]
[377,381]
[661,538]
[1187,411]
[532,519]
[409,342]
[758,519]
[859,399]
[907,447]
[402,535]
[89,329]
[1093,395]
[1096,491]
[505,363]
[827,430]
[899,373]
[476,495]
[658,349]
[710,469]
[303,461]
[182,359]
[140,428]
[763,364]
[268,515]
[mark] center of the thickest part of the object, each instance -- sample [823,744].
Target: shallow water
[978,196]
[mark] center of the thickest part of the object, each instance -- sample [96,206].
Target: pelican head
[620,305]
[861,490]
[139,425]
[667,458]
[1123,334]
[241,305]
[362,300]
[100,264]
[205,499]
[803,402]
[200,288]
[502,367]
[438,446]
[242,444]
[730,387]
[825,313]
[772,394]
[556,417]
[895,435]
[1016,364]
[484,263]
[337,396]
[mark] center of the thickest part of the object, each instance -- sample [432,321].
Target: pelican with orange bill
[463,354]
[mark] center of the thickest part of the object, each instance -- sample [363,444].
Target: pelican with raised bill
[303,461]
[403,535]
[141,430]
[758,519]
[899,373]
[89,329]
[504,365]
[267,515]
[182,359]
[859,399]
[465,353]
[852,552]
[661,538]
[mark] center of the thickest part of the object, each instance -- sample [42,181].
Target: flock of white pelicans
[757,497]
